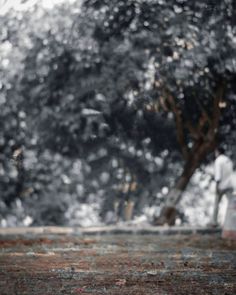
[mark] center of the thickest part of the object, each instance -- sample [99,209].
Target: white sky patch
[24,5]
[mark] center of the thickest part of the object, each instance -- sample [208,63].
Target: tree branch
[216,112]
[179,124]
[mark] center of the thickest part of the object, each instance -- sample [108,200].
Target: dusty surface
[117,264]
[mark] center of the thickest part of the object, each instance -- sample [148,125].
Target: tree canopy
[99,94]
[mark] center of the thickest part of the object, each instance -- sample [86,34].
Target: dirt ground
[117,264]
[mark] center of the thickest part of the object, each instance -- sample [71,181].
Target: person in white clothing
[223,179]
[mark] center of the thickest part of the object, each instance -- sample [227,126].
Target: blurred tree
[68,105]
[188,68]
[105,83]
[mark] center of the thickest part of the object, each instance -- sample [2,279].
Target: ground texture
[69,263]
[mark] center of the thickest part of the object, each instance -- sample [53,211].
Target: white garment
[224,172]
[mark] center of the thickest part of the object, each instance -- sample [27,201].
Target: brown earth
[117,264]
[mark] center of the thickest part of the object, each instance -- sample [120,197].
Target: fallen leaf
[79,290]
[120,282]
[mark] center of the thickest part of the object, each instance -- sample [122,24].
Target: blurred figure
[223,179]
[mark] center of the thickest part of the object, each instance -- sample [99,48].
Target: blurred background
[109,107]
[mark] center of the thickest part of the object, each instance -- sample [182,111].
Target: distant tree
[117,84]
[68,110]
[189,53]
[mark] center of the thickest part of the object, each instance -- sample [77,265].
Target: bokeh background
[107,107]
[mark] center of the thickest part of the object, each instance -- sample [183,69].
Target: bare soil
[117,264]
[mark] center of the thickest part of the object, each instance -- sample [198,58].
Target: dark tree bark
[204,136]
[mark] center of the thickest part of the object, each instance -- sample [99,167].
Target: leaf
[120,282]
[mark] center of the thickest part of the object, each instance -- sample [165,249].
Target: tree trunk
[169,211]
[128,210]
[204,137]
